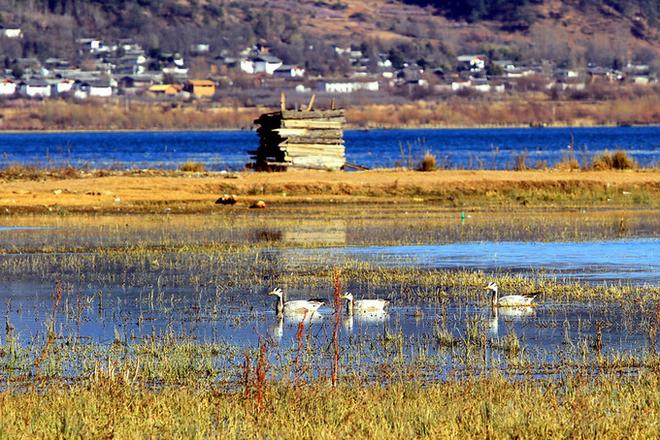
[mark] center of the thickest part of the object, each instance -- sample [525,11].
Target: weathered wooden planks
[312,124]
[315,114]
[304,139]
[310,133]
[314,140]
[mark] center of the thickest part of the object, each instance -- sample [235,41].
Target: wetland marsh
[167,314]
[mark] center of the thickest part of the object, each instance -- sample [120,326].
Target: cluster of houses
[107,70]
[479,73]
[125,68]
[41,88]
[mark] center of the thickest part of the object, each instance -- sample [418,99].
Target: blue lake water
[636,260]
[218,150]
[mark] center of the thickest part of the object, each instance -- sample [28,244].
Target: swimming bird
[364,306]
[509,300]
[304,307]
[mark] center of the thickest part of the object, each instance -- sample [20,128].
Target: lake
[614,261]
[227,150]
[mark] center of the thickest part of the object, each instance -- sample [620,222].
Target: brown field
[477,111]
[158,191]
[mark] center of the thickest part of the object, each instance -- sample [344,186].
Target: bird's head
[347,296]
[276,292]
[491,287]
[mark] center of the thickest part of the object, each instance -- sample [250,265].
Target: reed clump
[192,167]
[34,172]
[428,162]
[569,164]
[619,160]
[520,162]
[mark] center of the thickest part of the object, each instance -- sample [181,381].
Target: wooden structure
[300,139]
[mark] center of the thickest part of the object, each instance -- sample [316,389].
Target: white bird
[509,300]
[364,306]
[298,307]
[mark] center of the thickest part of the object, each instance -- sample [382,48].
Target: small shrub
[602,162]
[428,163]
[541,165]
[521,162]
[613,161]
[568,165]
[22,172]
[621,161]
[192,167]
[68,172]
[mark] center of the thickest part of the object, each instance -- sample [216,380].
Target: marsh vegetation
[123,316]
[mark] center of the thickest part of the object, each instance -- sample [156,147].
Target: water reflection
[637,260]
[276,326]
[515,312]
[364,319]
[276,329]
[508,314]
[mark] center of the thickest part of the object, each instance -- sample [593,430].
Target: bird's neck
[279,307]
[349,306]
[494,298]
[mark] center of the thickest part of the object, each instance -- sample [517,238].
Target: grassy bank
[455,112]
[492,407]
[158,192]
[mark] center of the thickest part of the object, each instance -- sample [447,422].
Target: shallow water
[548,334]
[347,226]
[628,260]
[189,292]
[462,148]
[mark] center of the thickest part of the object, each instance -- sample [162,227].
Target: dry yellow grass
[519,110]
[574,407]
[154,191]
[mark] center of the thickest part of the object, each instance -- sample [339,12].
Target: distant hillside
[570,32]
[527,11]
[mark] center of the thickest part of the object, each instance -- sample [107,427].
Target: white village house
[36,88]
[460,84]
[10,31]
[93,89]
[90,45]
[62,86]
[260,64]
[246,65]
[289,71]
[200,48]
[266,64]
[134,64]
[7,87]
[474,62]
[101,89]
[349,86]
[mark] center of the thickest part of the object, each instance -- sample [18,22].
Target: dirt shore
[156,191]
